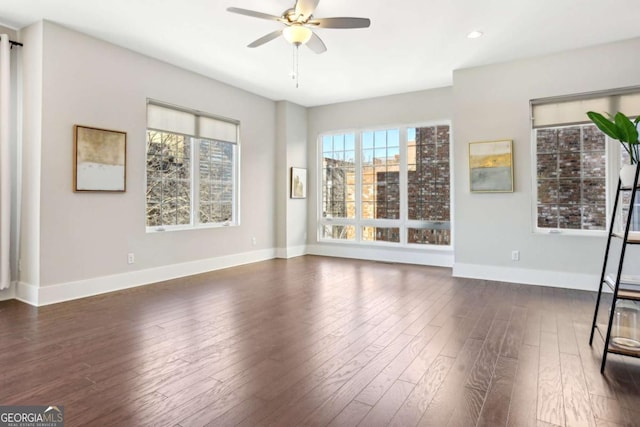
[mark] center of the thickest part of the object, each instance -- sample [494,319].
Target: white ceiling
[411,45]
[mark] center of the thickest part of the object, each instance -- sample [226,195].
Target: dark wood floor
[318,341]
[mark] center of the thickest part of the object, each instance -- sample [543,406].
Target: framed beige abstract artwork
[491,166]
[298,183]
[99,159]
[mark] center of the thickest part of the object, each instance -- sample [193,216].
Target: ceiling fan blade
[254,14]
[306,7]
[316,44]
[264,39]
[340,23]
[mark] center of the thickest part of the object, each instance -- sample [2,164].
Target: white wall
[281,180]
[85,237]
[416,107]
[492,102]
[292,152]
[32,38]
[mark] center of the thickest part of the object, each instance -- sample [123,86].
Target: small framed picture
[298,183]
[491,166]
[100,157]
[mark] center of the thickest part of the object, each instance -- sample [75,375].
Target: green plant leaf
[627,129]
[605,125]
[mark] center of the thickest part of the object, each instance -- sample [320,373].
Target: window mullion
[358,175]
[404,186]
[195,180]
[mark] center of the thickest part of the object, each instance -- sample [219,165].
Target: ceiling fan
[298,23]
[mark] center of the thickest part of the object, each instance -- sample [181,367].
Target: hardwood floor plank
[460,335]
[551,309]
[338,401]
[577,405]
[468,407]
[381,383]
[483,370]
[290,407]
[483,325]
[381,414]
[523,404]
[448,395]
[608,410]
[421,363]
[351,415]
[515,333]
[591,357]
[550,398]
[495,409]
[416,404]
[238,413]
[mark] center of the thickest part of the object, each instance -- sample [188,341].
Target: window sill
[388,245]
[560,232]
[172,228]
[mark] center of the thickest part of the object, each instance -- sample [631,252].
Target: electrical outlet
[131,258]
[254,241]
[515,255]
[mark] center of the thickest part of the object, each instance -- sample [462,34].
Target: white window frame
[403,222]
[194,222]
[611,151]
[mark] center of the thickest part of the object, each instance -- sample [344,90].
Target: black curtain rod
[12,43]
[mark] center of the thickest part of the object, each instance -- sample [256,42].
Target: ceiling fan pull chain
[293,62]
[297,66]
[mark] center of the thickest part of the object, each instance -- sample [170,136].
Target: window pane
[429,236]
[381,177]
[428,182]
[341,232]
[350,142]
[367,140]
[381,234]
[216,181]
[327,144]
[338,177]
[168,179]
[571,171]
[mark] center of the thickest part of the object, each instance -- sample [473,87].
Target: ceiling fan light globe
[297,34]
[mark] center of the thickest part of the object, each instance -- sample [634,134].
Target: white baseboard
[556,279]
[9,293]
[44,295]
[27,293]
[291,252]
[437,258]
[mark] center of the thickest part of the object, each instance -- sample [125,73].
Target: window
[191,169]
[571,170]
[386,185]
[573,159]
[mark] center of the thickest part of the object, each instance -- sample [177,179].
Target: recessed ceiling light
[474,34]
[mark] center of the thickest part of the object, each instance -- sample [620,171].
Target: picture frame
[298,183]
[99,159]
[491,166]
